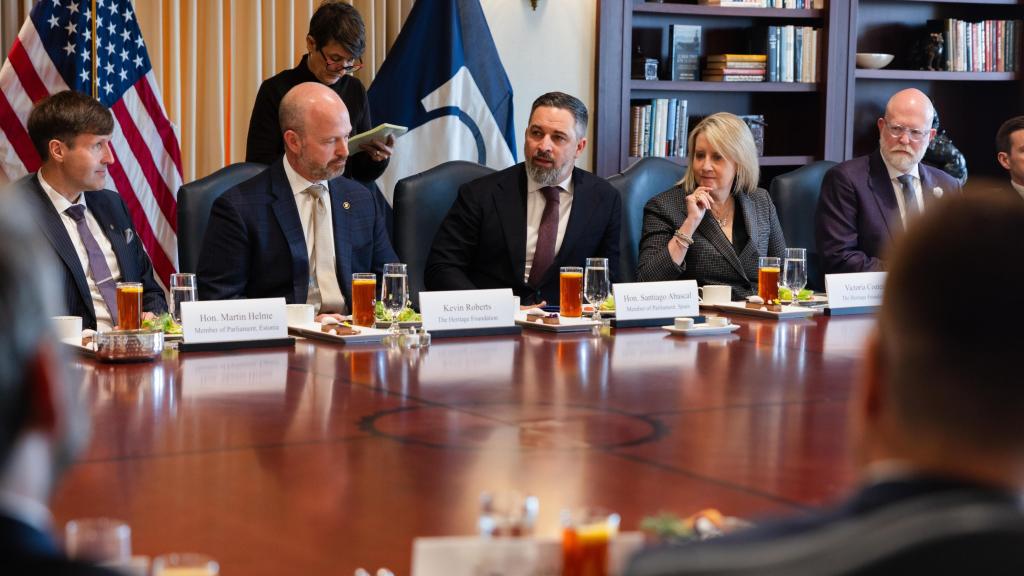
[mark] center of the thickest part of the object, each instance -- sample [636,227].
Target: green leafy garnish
[163,323]
[382,314]
[787,294]
[608,305]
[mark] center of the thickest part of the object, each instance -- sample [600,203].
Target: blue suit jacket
[857,215]
[25,550]
[254,246]
[482,241]
[111,213]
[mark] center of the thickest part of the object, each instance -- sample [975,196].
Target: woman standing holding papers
[715,223]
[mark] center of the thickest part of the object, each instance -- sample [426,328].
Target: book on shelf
[789,4]
[734,71]
[981,46]
[733,77]
[721,64]
[686,48]
[791,52]
[737,58]
[658,127]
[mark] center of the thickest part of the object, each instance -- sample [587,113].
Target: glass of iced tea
[768,278]
[188,564]
[571,291]
[129,305]
[364,296]
[586,534]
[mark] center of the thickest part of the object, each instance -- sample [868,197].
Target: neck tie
[98,269]
[544,254]
[909,202]
[324,291]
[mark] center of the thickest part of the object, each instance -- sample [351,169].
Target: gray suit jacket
[711,259]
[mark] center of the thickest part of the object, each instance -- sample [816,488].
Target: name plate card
[855,290]
[467,309]
[643,300]
[233,320]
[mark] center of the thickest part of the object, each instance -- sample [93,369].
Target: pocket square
[129,235]
[937,192]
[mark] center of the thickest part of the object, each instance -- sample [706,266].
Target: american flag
[54,52]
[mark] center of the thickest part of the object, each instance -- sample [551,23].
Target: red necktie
[544,254]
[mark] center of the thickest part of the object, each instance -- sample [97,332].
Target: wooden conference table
[322,458]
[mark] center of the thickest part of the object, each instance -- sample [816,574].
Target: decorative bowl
[129,345]
[873,60]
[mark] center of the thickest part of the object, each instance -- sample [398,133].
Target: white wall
[552,48]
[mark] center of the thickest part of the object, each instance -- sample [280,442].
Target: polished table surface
[324,458]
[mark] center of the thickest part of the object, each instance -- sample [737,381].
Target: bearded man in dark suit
[517,227]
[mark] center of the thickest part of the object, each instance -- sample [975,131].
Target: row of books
[986,46]
[790,4]
[782,54]
[658,128]
[792,53]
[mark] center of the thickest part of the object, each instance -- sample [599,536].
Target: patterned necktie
[324,291]
[544,253]
[909,202]
[98,269]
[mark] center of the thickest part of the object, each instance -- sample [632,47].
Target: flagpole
[95,87]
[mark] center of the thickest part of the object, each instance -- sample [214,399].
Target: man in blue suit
[88,227]
[516,228]
[43,424]
[298,230]
[935,424]
[868,201]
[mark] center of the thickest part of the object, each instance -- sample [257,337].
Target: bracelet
[683,239]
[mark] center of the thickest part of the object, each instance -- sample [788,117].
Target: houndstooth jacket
[711,259]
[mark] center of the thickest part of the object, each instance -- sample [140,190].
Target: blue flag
[443,80]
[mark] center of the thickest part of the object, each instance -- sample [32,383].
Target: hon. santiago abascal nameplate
[643,300]
[212,321]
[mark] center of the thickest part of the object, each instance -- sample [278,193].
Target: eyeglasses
[897,131]
[340,64]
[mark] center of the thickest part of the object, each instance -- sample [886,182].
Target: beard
[545,176]
[904,162]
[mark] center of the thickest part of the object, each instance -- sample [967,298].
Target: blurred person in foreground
[43,425]
[934,423]
[715,223]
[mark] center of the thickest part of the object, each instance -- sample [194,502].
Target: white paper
[643,300]
[233,320]
[466,309]
[855,289]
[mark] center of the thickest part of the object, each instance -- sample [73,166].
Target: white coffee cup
[299,314]
[715,294]
[68,327]
[717,321]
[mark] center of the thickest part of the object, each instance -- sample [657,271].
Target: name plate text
[854,290]
[467,309]
[233,320]
[643,300]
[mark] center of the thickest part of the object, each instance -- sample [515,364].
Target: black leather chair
[420,204]
[636,185]
[795,195]
[195,200]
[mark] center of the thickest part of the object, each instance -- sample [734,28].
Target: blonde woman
[715,223]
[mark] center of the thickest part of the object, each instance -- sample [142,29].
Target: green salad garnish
[163,323]
[787,294]
[382,314]
[608,305]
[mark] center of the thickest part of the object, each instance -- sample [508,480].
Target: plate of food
[338,332]
[537,319]
[804,297]
[407,318]
[755,306]
[166,324]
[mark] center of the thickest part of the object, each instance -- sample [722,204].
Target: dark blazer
[482,241]
[25,551]
[254,246]
[111,213]
[711,259]
[901,498]
[857,215]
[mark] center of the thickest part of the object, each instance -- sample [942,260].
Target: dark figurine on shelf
[943,154]
[928,52]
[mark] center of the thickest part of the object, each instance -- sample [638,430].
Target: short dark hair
[65,115]
[27,289]
[1008,128]
[565,102]
[953,368]
[338,22]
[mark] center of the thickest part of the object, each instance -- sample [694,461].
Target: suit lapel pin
[346,205]
[937,192]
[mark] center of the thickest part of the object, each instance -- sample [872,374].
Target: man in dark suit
[43,424]
[515,228]
[299,229]
[935,421]
[88,227]
[868,201]
[1010,151]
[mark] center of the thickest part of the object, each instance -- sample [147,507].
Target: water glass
[794,270]
[188,564]
[98,540]
[395,292]
[183,289]
[596,284]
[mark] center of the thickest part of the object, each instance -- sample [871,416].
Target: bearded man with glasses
[868,201]
[334,45]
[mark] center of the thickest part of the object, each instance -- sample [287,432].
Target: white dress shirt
[61,204]
[306,204]
[1018,188]
[898,189]
[535,209]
